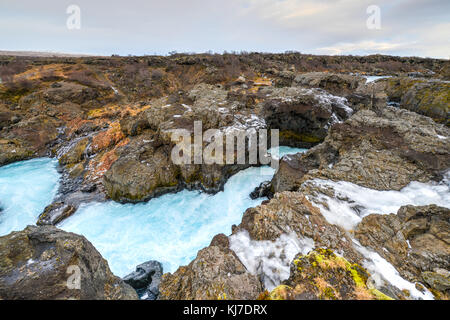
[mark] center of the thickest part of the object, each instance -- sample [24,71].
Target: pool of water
[375,78]
[26,188]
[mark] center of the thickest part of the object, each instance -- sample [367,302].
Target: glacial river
[170,229]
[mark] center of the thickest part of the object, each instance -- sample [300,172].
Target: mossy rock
[430,99]
[75,154]
[289,137]
[321,274]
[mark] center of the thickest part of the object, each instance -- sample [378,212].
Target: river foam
[360,201]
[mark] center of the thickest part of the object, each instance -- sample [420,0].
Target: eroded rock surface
[382,152]
[145,279]
[338,84]
[322,275]
[291,212]
[303,116]
[427,97]
[416,241]
[43,263]
[216,273]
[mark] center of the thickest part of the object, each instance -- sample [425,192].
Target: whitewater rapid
[170,229]
[26,188]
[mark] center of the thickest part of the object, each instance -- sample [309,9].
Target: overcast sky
[408,27]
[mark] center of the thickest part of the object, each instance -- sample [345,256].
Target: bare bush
[8,71]
[157,75]
[85,77]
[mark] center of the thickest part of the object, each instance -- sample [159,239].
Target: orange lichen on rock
[100,164]
[74,124]
[118,110]
[37,73]
[107,138]
[259,82]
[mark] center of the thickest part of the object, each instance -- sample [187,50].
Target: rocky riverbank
[46,263]
[109,122]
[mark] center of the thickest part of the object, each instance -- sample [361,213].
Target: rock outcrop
[216,273]
[382,152]
[262,191]
[427,97]
[144,169]
[292,212]
[55,213]
[337,84]
[322,275]
[303,116]
[416,241]
[45,263]
[110,123]
[146,279]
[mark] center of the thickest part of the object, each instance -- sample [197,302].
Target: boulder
[383,151]
[216,273]
[292,212]
[142,171]
[55,213]
[322,275]
[263,190]
[75,152]
[338,84]
[13,150]
[415,241]
[303,116]
[144,168]
[45,263]
[146,279]
[426,97]
[439,281]
[429,98]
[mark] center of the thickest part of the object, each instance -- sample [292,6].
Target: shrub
[157,74]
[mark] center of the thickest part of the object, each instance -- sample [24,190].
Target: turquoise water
[170,229]
[26,188]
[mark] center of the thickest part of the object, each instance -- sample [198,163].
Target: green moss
[279,292]
[291,135]
[14,95]
[222,296]
[329,293]
[319,258]
[357,277]
[379,295]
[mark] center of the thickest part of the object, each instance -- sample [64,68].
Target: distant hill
[42,54]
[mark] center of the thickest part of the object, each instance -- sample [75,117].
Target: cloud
[365,47]
[142,27]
